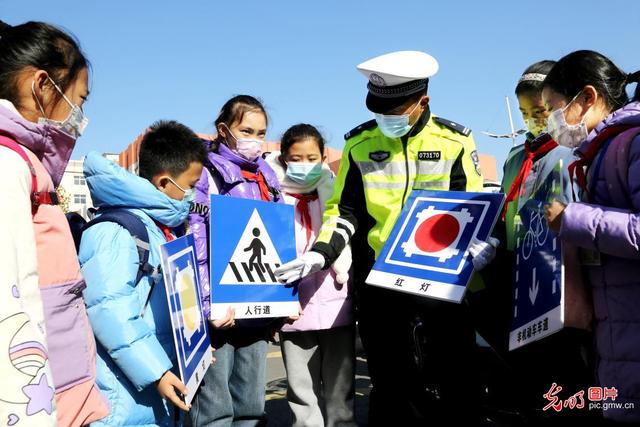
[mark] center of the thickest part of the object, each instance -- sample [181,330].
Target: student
[43,84]
[318,349]
[130,319]
[526,168]
[232,391]
[586,96]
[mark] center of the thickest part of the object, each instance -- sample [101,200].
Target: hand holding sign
[553,213]
[483,252]
[167,386]
[225,322]
[300,268]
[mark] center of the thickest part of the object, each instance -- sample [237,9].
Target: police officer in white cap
[419,351]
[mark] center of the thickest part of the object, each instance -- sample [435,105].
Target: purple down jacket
[609,226]
[223,175]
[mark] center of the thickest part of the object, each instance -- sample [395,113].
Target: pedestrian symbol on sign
[255,258]
[257,249]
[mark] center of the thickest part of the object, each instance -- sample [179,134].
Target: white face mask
[563,133]
[75,123]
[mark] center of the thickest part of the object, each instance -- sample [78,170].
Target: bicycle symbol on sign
[536,235]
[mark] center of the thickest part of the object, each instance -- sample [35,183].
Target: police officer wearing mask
[419,351]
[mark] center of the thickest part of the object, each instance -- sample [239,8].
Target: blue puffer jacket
[134,351]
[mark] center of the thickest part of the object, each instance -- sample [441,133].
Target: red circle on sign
[437,232]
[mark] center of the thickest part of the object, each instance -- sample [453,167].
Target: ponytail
[634,78]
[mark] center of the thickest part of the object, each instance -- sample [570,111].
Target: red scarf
[303,207]
[262,183]
[578,168]
[525,169]
[165,230]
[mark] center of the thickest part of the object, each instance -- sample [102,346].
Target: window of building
[79,180]
[79,199]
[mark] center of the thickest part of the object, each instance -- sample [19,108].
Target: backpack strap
[37,197]
[136,228]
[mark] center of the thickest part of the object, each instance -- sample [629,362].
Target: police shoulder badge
[476,161]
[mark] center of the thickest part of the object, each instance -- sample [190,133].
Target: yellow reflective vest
[377,174]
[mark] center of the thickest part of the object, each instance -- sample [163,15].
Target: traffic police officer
[419,351]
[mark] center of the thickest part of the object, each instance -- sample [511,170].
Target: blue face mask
[394,126]
[304,173]
[189,195]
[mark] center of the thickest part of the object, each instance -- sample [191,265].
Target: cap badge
[377,79]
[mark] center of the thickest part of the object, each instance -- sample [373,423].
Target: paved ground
[277,408]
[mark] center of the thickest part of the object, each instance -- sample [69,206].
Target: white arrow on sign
[533,290]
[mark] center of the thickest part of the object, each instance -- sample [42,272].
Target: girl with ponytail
[586,94]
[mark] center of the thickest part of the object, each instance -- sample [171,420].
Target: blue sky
[182,60]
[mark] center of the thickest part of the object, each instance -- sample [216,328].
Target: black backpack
[127,220]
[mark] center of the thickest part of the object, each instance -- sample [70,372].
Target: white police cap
[396,76]
[400,67]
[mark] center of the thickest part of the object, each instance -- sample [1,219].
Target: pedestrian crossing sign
[250,239]
[427,251]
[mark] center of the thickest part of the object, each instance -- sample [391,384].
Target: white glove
[299,268]
[483,252]
[342,266]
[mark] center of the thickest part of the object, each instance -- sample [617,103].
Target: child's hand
[227,321]
[289,320]
[553,213]
[167,386]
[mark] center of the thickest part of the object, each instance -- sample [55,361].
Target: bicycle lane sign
[538,296]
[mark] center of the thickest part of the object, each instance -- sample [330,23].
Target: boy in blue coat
[130,320]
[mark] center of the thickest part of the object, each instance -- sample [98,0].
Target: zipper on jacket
[405,142]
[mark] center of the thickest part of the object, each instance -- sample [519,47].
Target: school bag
[78,225]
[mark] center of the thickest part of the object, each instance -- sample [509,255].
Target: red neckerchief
[578,168]
[262,184]
[525,169]
[303,207]
[165,230]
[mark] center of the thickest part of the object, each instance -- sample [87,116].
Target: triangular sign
[255,258]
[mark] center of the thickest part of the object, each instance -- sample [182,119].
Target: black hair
[169,147]
[234,109]
[532,79]
[585,67]
[42,46]
[299,132]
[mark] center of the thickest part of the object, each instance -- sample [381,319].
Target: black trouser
[435,385]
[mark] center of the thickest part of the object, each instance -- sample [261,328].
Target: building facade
[74,186]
